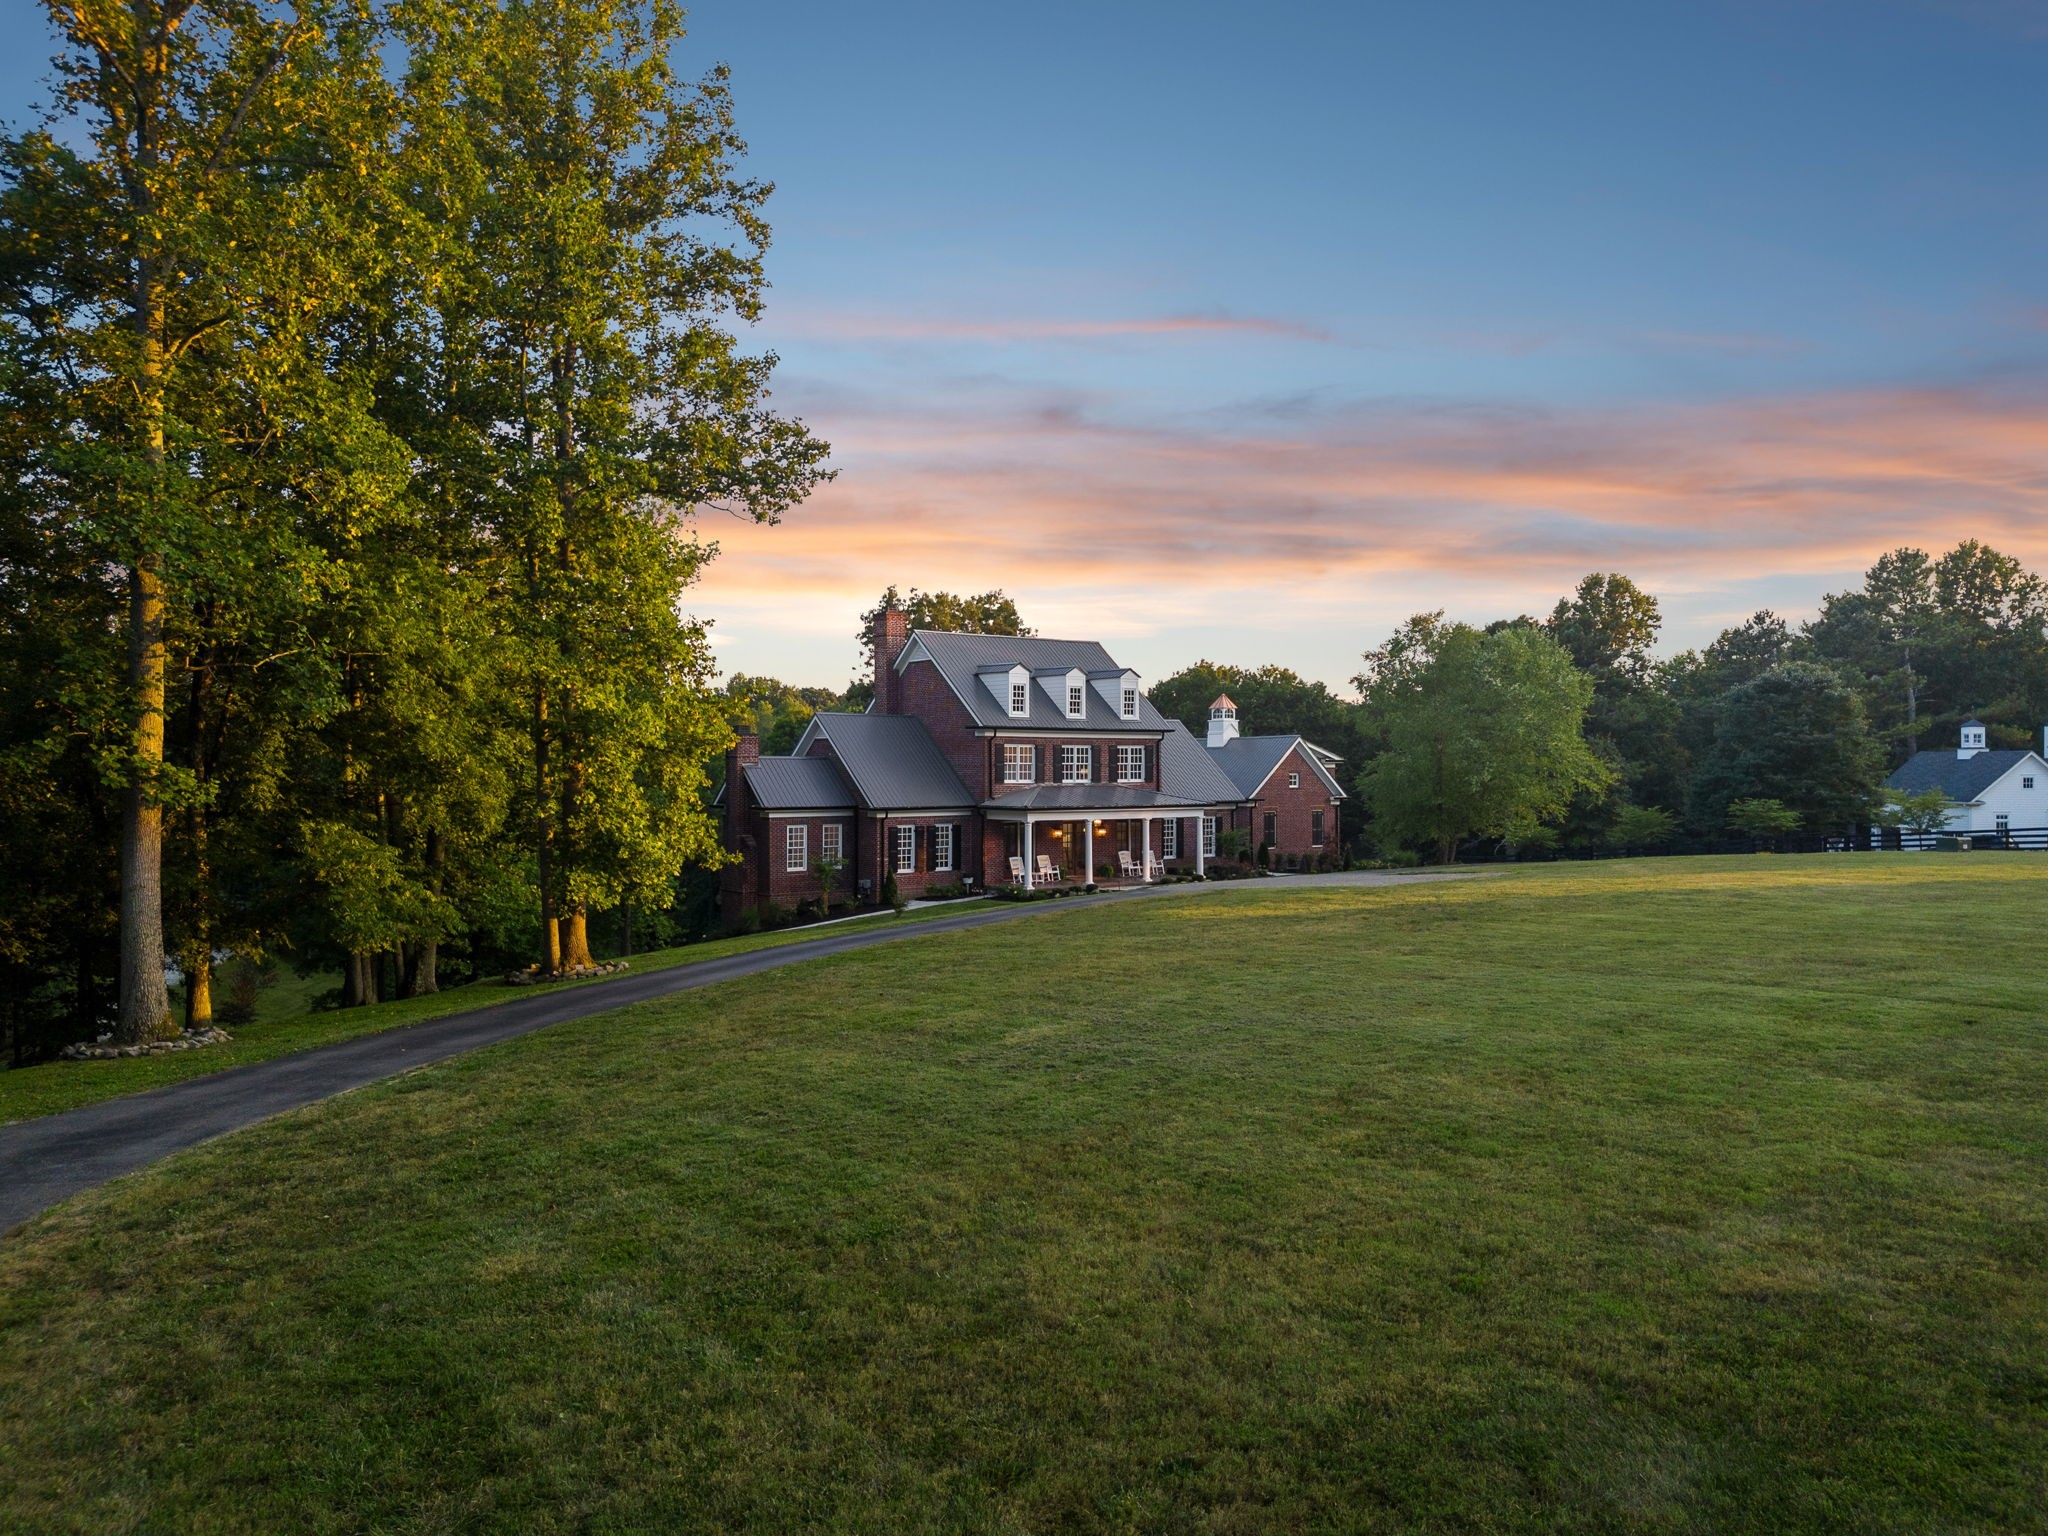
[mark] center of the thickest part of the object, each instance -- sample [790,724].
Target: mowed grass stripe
[1695,1195]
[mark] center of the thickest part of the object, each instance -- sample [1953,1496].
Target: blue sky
[1245,332]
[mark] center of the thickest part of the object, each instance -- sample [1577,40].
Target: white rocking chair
[1048,871]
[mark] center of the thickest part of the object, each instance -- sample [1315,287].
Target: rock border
[104,1050]
[528,978]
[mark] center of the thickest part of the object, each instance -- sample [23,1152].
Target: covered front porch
[1123,843]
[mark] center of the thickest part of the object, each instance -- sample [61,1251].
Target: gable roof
[1962,779]
[892,761]
[1250,761]
[960,658]
[1188,772]
[798,784]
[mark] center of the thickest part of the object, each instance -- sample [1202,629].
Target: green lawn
[1673,1196]
[281,1028]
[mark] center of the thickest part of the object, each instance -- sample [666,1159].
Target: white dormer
[1973,739]
[1068,691]
[1119,691]
[1222,721]
[1012,689]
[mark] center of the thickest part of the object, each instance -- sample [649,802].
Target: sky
[1242,333]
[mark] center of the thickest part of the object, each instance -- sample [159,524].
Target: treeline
[1565,730]
[361,373]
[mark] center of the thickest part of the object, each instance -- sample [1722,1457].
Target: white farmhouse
[1989,792]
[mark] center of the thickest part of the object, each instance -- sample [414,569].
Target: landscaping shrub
[944,892]
[892,896]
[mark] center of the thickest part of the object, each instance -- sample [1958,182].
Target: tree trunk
[422,975]
[145,1003]
[576,941]
[358,980]
[199,990]
[544,835]
[625,930]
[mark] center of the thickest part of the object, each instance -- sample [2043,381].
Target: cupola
[1222,721]
[1973,739]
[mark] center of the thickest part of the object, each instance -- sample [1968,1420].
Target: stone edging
[105,1050]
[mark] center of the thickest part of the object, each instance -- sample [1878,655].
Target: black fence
[1860,840]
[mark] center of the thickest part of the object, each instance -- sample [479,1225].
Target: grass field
[1672,1196]
[280,1028]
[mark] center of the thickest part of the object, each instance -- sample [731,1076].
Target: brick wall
[1048,750]
[1293,810]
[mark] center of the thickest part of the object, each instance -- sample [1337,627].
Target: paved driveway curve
[53,1157]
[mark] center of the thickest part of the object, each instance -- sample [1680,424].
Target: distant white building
[1988,792]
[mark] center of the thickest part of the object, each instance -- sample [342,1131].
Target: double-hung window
[1020,698]
[796,846]
[1130,765]
[1076,764]
[1074,696]
[1294,781]
[1169,838]
[828,840]
[942,847]
[1315,827]
[906,850]
[1020,765]
[1208,837]
[1130,705]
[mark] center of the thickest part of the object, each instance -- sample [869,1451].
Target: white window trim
[1026,757]
[1126,755]
[906,842]
[1128,704]
[1208,837]
[1294,781]
[1169,838]
[1077,700]
[943,836]
[1086,757]
[1020,699]
[831,841]
[796,848]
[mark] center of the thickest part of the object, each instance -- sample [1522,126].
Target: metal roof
[961,658]
[1090,797]
[1962,779]
[798,784]
[1186,769]
[893,762]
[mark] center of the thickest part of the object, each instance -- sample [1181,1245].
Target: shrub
[747,920]
[944,892]
[892,896]
[775,915]
[238,1007]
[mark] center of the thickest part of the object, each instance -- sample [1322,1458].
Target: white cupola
[1973,739]
[1222,721]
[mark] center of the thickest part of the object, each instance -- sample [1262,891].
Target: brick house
[983,755]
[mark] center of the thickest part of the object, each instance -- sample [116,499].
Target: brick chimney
[739,881]
[892,633]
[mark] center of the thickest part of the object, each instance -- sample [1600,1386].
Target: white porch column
[1088,846]
[1146,823]
[1201,843]
[1030,869]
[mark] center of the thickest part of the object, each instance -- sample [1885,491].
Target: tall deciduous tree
[1797,735]
[166,273]
[1483,733]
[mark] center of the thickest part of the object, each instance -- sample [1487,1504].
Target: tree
[1607,627]
[1923,812]
[1482,736]
[1762,818]
[1641,826]
[830,870]
[1271,700]
[985,613]
[1796,735]
[166,276]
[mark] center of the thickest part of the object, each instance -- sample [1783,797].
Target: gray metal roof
[1090,797]
[961,658]
[798,784]
[1250,761]
[1187,771]
[1962,779]
[893,762]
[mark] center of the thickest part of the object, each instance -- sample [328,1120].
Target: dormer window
[1075,694]
[1020,698]
[1130,704]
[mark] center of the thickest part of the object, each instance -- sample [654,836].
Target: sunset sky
[1244,332]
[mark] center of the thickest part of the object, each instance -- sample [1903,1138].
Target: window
[2004,821]
[1130,765]
[1270,836]
[1315,827]
[2027,782]
[1130,705]
[1169,839]
[1020,698]
[1208,837]
[942,847]
[1020,765]
[1294,781]
[1076,764]
[828,840]
[906,850]
[1074,701]
[796,843]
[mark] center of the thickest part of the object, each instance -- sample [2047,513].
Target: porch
[1106,846]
